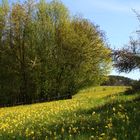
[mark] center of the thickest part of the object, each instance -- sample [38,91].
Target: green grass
[101,113]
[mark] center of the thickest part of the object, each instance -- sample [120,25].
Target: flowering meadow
[101,113]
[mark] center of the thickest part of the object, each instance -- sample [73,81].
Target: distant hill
[115,80]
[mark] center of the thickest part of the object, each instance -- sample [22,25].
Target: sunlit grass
[93,113]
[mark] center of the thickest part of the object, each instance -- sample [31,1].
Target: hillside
[93,113]
[114,80]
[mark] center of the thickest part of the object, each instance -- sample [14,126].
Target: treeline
[114,80]
[46,53]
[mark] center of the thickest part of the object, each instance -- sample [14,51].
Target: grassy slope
[94,113]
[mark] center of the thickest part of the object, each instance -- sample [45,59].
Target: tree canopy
[46,53]
[128,58]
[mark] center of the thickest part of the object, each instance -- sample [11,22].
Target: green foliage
[45,53]
[135,88]
[128,58]
[114,80]
[95,60]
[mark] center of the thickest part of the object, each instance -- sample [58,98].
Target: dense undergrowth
[94,113]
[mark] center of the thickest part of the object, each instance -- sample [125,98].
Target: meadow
[101,113]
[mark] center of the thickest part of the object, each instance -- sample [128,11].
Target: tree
[128,58]
[15,57]
[118,81]
[45,53]
[95,58]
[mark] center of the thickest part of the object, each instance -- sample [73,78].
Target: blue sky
[115,17]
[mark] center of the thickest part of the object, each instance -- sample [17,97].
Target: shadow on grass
[117,121]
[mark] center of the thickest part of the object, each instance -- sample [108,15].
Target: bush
[136,86]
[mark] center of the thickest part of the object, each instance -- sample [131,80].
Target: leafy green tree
[45,53]
[95,61]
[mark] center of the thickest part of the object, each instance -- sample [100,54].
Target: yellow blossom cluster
[65,119]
